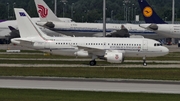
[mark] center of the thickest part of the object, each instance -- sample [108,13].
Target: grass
[85,72]
[83,62]
[170,56]
[55,95]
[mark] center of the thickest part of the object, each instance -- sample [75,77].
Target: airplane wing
[93,51]
[98,51]
[152,27]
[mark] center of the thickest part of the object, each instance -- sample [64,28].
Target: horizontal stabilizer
[152,27]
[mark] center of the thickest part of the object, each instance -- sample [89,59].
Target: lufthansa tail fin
[27,28]
[45,13]
[150,16]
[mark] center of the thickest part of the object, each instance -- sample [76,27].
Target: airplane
[156,24]
[6,33]
[51,22]
[111,49]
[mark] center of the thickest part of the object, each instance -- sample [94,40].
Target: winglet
[44,12]
[150,16]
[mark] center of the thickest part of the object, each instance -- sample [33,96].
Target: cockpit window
[157,44]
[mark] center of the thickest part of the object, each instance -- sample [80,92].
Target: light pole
[82,18]
[112,14]
[55,7]
[104,18]
[8,9]
[132,15]
[14,4]
[64,3]
[165,19]
[124,11]
[129,13]
[72,10]
[135,14]
[173,4]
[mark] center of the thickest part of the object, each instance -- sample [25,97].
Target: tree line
[91,10]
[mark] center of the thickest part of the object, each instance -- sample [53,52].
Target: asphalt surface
[82,84]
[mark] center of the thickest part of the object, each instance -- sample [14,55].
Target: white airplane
[85,29]
[156,24]
[111,49]
[6,33]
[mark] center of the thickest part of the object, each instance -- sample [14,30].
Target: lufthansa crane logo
[147,12]
[42,11]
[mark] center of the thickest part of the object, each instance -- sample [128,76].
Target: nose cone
[165,50]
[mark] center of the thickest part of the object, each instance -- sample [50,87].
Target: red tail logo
[42,11]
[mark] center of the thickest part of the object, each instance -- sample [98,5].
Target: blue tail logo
[22,14]
[149,14]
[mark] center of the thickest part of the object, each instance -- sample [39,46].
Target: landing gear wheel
[144,64]
[92,63]
[144,61]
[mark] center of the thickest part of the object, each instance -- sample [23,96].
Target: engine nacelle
[114,57]
[81,53]
[14,41]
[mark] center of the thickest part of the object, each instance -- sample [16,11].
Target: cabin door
[145,45]
[46,45]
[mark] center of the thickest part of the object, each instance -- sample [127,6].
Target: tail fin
[45,13]
[149,14]
[27,28]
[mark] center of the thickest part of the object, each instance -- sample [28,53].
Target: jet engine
[81,53]
[114,57]
[49,25]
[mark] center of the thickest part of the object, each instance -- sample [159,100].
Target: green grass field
[170,56]
[98,72]
[86,72]
[55,95]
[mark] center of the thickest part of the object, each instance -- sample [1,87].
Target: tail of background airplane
[149,14]
[27,28]
[45,13]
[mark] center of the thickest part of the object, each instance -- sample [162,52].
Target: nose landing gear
[144,61]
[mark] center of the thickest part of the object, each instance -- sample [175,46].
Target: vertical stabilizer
[44,12]
[150,16]
[27,28]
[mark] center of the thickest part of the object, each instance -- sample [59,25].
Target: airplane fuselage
[89,29]
[133,47]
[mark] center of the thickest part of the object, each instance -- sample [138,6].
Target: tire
[144,64]
[92,63]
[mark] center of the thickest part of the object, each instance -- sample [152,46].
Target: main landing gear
[144,61]
[92,62]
